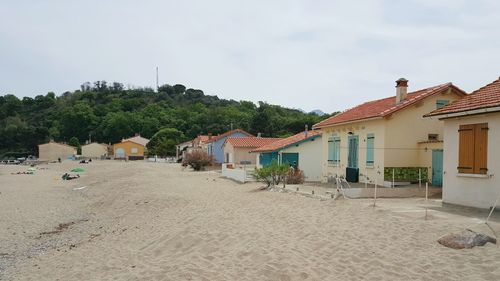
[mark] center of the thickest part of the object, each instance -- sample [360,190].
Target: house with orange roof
[302,150]
[471,150]
[133,148]
[214,144]
[388,138]
[237,150]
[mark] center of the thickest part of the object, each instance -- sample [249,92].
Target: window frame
[334,154]
[473,149]
[370,163]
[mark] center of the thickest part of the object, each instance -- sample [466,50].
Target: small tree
[198,160]
[163,142]
[76,143]
[273,174]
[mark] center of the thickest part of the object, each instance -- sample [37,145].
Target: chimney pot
[401,89]
[259,135]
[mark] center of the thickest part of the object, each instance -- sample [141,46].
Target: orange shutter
[480,148]
[466,149]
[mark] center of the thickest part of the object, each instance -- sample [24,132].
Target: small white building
[303,150]
[94,150]
[471,148]
[53,151]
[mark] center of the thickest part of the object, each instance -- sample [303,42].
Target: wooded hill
[108,113]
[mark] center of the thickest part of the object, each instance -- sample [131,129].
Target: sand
[151,221]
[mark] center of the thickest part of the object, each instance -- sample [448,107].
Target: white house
[472,148]
[303,150]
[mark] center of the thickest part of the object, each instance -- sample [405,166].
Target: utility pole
[157,87]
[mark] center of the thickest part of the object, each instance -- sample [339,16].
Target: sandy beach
[152,221]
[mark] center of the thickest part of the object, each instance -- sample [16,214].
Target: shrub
[198,160]
[295,176]
[273,174]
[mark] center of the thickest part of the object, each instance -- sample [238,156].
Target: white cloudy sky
[322,54]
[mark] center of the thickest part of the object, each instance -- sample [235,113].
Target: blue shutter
[331,153]
[370,149]
[336,145]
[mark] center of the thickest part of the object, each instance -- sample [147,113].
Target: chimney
[209,136]
[306,131]
[401,89]
[259,135]
[137,134]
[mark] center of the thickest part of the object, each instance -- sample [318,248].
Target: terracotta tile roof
[250,142]
[203,138]
[137,139]
[383,107]
[277,145]
[485,97]
[228,133]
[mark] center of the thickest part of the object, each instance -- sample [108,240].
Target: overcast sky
[328,55]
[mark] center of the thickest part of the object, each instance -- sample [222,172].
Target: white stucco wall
[480,192]
[310,153]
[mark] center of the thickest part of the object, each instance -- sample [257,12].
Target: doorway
[437,167]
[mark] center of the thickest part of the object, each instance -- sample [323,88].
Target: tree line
[107,113]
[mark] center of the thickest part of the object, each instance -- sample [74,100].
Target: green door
[266,158]
[353,151]
[437,167]
[291,159]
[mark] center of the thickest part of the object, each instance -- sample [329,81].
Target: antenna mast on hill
[157,79]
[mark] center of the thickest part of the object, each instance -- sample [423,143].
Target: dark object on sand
[68,177]
[465,240]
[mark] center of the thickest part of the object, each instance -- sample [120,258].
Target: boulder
[465,240]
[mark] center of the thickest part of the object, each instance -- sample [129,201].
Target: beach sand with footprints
[152,221]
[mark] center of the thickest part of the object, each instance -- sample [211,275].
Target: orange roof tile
[137,139]
[280,144]
[383,107]
[228,133]
[203,138]
[250,142]
[484,97]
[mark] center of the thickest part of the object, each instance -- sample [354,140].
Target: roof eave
[348,122]
[476,111]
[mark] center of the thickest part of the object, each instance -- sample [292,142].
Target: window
[473,148]
[370,149]
[441,103]
[432,137]
[133,150]
[334,150]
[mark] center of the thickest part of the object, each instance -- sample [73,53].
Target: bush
[295,176]
[273,174]
[198,160]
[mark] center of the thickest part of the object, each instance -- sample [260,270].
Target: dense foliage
[108,113]
[164,141]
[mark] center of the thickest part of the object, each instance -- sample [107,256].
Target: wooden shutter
[480,148]
[466,149]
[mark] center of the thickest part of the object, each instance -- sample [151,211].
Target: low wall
[384,192]
[237,174]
